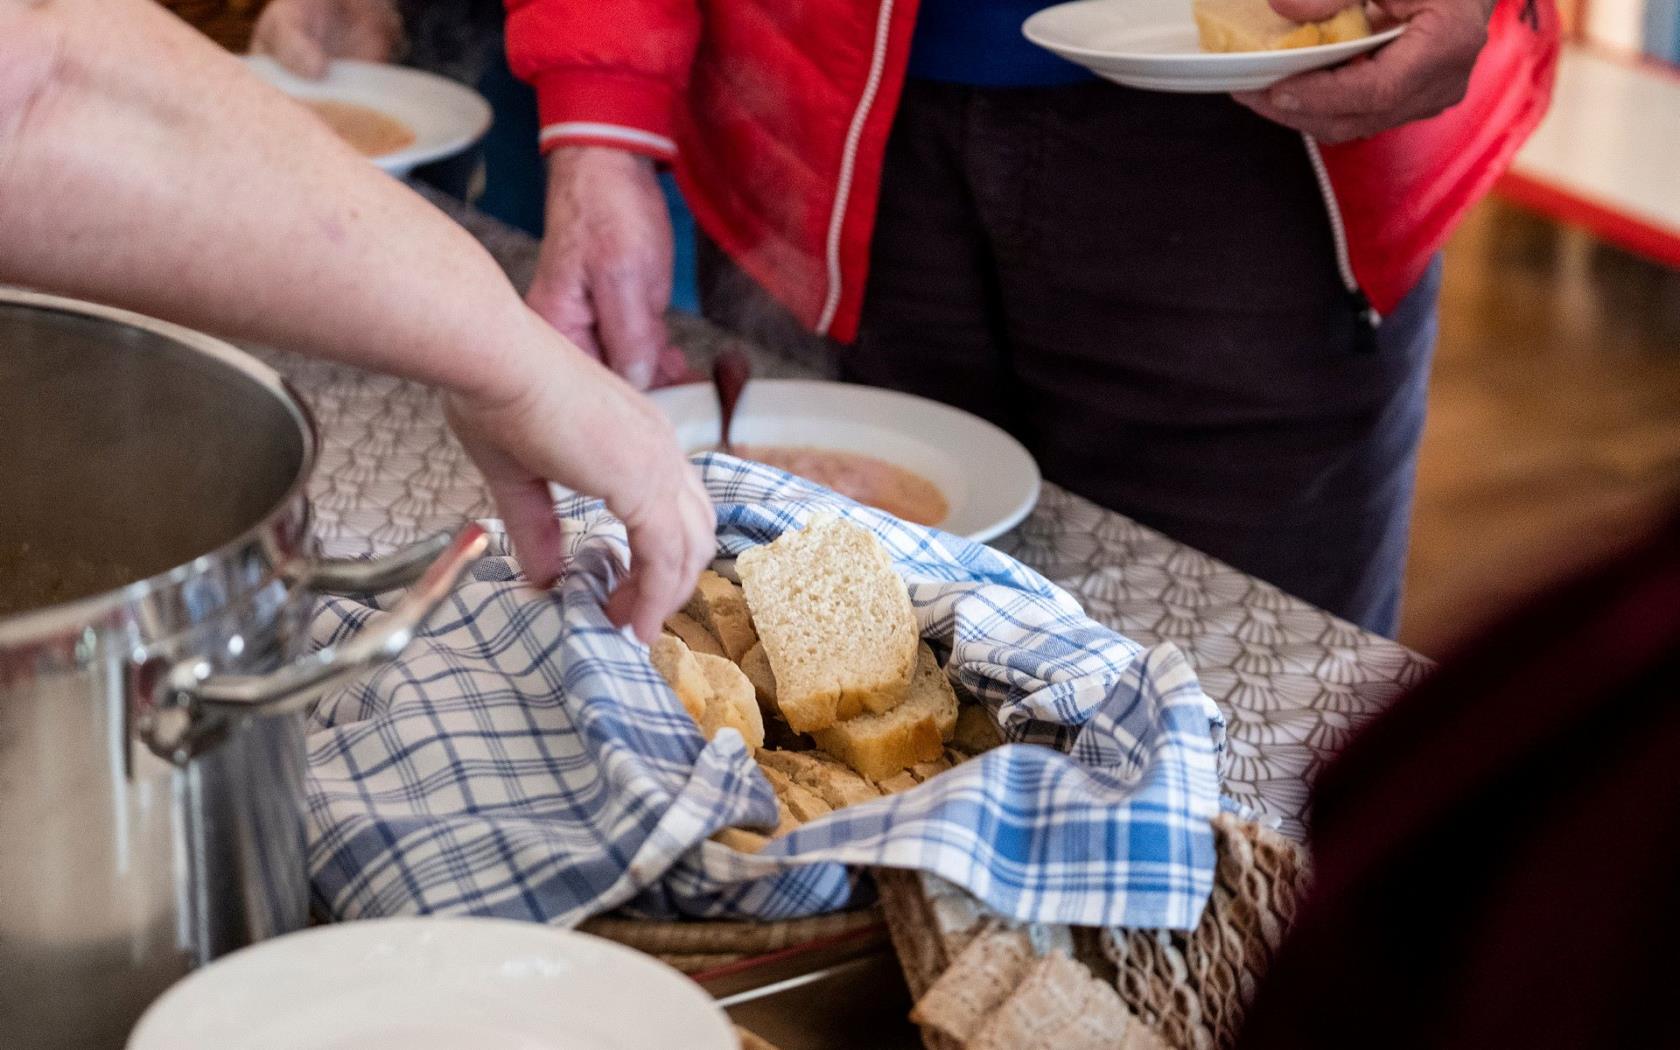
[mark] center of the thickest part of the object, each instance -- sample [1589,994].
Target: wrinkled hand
[1424,71]
[304,35]
[604,276]
[575,423]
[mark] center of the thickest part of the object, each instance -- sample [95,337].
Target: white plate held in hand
[1153,45]
[435,984]
[446,117]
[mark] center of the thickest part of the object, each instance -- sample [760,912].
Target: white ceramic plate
[1152,44]
[435,984]
[446,117]
[990,481]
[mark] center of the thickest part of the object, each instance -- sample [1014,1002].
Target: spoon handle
[730,372]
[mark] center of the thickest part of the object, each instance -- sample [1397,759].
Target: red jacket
[776,115]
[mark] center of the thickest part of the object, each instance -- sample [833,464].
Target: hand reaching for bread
[305,35]
[819,639]
[1421,73]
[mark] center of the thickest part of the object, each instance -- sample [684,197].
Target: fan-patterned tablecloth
[1293,680]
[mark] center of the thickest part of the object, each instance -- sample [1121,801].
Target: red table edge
[1658,243]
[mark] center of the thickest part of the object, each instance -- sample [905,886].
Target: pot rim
[33,625]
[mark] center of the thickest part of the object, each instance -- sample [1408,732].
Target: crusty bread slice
[977,731]
[832,780]
[835,620]
[757,667]
[694,634]
[903,780]
[719,606]
[802,803]
[1252,25]
[672,659]
[732,703]
[741,839]
[879,746]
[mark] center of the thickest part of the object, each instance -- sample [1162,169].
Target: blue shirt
[979,42]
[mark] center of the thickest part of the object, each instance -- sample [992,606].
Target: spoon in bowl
[730,372]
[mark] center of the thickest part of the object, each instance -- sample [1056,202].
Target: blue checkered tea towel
[523,758]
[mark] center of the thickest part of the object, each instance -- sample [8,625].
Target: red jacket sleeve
[607,72]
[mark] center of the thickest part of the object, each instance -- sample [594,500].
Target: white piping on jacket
[615,132]
[848,163]
[1338,232]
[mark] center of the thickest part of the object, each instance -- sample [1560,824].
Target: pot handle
[191,691]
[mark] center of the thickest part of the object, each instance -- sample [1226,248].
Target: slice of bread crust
[1252,25]
[833,781]
[880,745]
[720,608]
[732,703]
[756,664]
[672,659]
[836,622]
[694,634]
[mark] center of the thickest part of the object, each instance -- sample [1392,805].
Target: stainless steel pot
[156,577]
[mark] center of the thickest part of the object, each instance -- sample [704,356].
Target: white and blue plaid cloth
[523,759]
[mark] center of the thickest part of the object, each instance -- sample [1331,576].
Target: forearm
[141,166]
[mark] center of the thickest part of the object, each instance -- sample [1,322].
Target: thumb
[1310,10]
[632,331]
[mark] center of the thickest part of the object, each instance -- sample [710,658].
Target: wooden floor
[1554,417]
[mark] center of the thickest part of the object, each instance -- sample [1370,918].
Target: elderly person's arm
[1417,76]
[610,79]
[141,166]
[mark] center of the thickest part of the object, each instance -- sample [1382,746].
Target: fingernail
[639,374]
[1286,102]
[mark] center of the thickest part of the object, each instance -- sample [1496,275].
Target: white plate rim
[1316,56]
[670,399]
[395,79]
[709,1025]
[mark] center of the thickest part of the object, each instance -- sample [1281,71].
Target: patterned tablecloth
[1293,680]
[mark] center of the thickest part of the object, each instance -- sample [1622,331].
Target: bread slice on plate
[835,620]
[880,745]
[1252,25]
[717,605]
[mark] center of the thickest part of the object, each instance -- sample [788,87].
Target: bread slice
[831,779]
[977,731]
[802,803]
[1252,25]
[719,606]
[672,659]
[878,746]
[694,634]
[900,781]
[756,664]
[835,620]
[712,690]
[741,839]
[732,703]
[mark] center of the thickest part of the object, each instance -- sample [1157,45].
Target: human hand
[575,423]
[1422,72]
[304,35]
[604,276]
